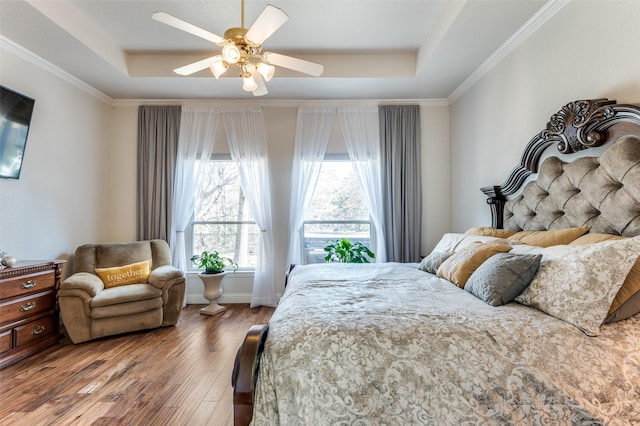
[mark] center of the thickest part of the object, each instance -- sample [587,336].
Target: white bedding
[389,344]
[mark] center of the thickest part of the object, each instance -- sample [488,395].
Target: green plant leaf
[212,262]
[343,250]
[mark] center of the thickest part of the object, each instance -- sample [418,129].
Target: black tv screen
[15,118]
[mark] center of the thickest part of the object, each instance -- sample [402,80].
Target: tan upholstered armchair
[89,309]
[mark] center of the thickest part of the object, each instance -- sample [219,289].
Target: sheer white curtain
[248,147]
[361,130]
[313,131]
[197,132]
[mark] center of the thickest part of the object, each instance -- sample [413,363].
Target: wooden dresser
[29,318]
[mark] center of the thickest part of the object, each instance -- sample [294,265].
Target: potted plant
[343,250]
[213,264]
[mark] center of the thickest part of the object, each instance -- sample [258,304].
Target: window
[222,221]
[338,210]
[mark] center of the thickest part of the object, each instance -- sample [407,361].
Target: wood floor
[170,376]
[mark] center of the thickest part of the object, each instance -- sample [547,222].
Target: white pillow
[578,283]
[448,242]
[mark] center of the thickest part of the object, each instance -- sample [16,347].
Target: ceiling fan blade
[165,18]
[261,90]
[295,64]
[267,23]
[197,66]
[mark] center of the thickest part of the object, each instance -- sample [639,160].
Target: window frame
[190,230]
[372,229]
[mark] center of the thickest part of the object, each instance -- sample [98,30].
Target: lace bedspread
[387,344]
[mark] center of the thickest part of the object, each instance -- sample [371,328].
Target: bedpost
[245,370]
[496,203]
[286,277]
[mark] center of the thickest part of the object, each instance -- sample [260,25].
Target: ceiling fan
[243,47]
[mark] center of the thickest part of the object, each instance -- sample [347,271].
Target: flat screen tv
[15,118]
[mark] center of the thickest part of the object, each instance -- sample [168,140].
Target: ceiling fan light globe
[218,68]
[266,70]
[231,53]
[249,84]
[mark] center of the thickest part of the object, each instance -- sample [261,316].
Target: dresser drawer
[15,309]
[29,283]
[36,330]
[5,341]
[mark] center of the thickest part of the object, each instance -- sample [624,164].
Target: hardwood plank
[173,375]
[202,414]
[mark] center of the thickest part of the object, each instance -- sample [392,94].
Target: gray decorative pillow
[502,277]
[432,262]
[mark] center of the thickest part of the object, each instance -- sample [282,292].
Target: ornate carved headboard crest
[578,126]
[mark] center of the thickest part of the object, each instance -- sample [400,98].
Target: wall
[62,197]
[280,124]
[436,212]
[587,50]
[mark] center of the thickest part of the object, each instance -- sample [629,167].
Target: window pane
[220,196]
[338,210]
[338,194]
[219,205]
[235,241]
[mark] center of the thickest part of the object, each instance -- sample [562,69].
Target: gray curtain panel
[401,180]
[158,130]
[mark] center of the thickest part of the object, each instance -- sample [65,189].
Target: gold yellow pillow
[122,275]
[459,267]
[488,231]
[551,237]
[594,238]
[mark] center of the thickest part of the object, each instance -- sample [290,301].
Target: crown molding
[530,27]
[14,48]
[280,102]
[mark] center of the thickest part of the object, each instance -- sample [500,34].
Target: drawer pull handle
[38,330]
[29,284]
[27,307]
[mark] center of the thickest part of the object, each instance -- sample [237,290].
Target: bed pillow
[593,238]
[122,275]
[627,300]
[432,262]
[459,267]
[448,242]
[502,277]
[577,284]
[550,238]
[452,242]
[490,232]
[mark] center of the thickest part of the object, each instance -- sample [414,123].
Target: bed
[532,320]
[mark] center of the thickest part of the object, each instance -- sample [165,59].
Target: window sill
[240,273]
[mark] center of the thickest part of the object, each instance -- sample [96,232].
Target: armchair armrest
[90,283]
[165,274]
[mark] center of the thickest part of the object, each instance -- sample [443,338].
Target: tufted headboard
[583,169]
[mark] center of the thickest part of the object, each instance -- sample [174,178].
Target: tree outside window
[222,221]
